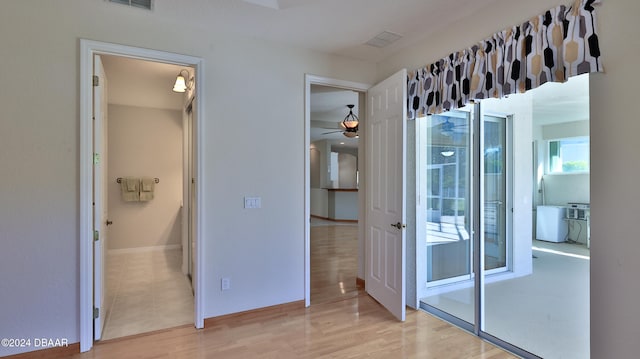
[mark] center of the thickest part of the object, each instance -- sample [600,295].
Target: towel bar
[156,180]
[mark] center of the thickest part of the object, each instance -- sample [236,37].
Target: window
[569,155]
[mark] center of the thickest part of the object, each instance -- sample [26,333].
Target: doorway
[145,127]
[333,262]
[381,194]
[91,267]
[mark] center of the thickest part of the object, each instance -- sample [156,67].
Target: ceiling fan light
[350,134]
[350,121]
[447,153]
[350,124]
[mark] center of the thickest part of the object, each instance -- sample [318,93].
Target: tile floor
[146,291]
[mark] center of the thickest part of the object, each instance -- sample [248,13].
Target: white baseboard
[166,247]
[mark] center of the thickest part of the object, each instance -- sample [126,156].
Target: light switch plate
[252,202]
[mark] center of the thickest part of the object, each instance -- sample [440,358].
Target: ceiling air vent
[140,4]
[383,39]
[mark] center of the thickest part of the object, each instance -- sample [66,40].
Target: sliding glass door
[483,267]
[453,154]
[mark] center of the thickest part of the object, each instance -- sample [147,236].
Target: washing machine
[551,225]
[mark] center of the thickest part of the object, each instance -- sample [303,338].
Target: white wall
[319,173]
[145,142]
[565,129]
[314,167]
[615,290]
[343,205]
[347,168]
[254,89]
[562,189]
[319,202]
[321,161]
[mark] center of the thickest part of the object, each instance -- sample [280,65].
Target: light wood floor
[334,260]
[342,322]
[357,327]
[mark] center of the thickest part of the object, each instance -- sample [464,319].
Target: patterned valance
[554,46]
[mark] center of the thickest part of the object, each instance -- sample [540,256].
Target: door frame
[89,48]
[508,203]
[309,80]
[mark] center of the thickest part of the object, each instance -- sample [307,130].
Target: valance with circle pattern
[553,46]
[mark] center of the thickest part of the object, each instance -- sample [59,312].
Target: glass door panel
[495,193]
[448,242]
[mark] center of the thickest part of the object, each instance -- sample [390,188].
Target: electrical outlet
[225,283]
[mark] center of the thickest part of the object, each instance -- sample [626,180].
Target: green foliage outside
[575,166]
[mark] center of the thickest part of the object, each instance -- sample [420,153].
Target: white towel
[147,188]
[130,189]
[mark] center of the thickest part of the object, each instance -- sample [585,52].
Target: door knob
[109,222]
[399,225]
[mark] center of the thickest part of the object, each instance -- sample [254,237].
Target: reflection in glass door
[495,193]
[446,154]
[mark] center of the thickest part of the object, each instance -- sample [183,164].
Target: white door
[100,217]
[385,215]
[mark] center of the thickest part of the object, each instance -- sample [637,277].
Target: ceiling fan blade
[326,133]
[326,125]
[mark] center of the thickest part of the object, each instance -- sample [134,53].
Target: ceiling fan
[448,128]
[349,124]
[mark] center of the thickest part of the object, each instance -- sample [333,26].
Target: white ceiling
[330,26]
[561,102]
[141,83]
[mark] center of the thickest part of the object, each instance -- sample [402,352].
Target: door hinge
[96,80]
[96,313]
[96,235]
[96,158]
